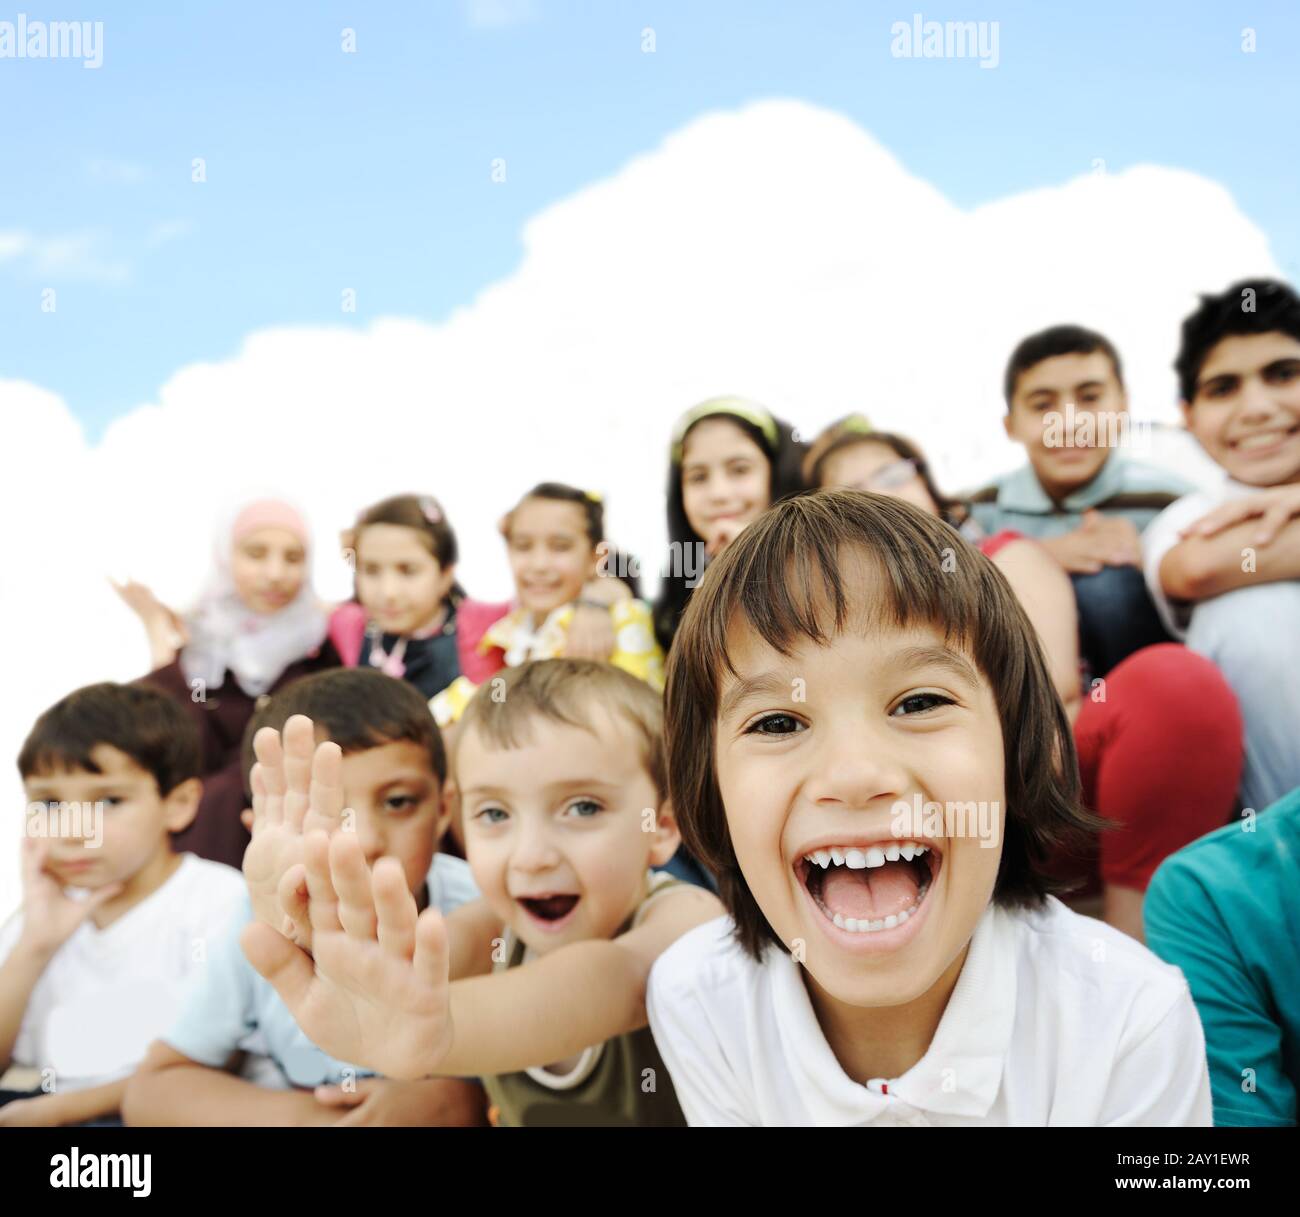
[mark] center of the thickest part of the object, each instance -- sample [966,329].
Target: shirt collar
[1022,491]
[960,1074]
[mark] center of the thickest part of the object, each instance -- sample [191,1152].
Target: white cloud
[777,251]
[73,255]
[12,244]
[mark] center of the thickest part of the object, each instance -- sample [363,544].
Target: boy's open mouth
[550,908]
[869,888]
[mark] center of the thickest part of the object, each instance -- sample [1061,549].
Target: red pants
[1160,757]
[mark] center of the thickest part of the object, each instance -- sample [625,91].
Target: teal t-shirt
[1226,910]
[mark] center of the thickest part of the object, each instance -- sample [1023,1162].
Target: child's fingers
[247,817]
[294,903]
[270,768]
[395,909]
[322,900]
[432,954]
[299,746]
[325,794]
[33,859]
[261,809]
[1224,516]
[289,970]
[351,877]
[1271,523]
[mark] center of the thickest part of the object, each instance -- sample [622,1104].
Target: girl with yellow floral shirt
[555,539]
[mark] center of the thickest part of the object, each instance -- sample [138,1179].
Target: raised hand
[163,626]
[378,994]
[297,788]
[50,917]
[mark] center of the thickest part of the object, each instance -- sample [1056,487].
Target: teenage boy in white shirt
[1224,566]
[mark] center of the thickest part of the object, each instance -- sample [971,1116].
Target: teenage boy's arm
[170,1088]
[1210,558]
[382,996]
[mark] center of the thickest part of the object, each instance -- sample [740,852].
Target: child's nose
[1256,400]
[856,768]
[533,851]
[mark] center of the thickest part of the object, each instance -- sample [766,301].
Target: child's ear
[182,804]
[1006,425]
[667,835]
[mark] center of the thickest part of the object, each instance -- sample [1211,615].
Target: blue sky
[373,170]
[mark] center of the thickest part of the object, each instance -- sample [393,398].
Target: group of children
[789,847]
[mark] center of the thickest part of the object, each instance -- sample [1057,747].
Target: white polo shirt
[1056,1019]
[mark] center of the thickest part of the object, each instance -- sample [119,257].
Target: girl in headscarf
[256,627]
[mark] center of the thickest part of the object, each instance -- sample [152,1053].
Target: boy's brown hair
[770,579]
[356,708]
[573,692]
[146,725]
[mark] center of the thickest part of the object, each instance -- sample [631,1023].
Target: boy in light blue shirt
[1086,504]
[235,1054]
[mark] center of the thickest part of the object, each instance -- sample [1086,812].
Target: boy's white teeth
[863,859]
[868,926]
[1260,441]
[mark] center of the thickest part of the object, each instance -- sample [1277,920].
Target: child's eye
[584,809]
[400,803]
[111,800]
[492,815]
[775,724]
[918,703]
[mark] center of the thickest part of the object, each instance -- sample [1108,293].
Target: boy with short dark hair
[385,761]
[114,922]
[1224,565]
[1067,406]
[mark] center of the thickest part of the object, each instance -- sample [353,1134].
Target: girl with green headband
[729,460]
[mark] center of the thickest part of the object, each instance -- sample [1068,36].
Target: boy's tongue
[882,891]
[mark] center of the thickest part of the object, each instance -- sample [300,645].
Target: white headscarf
[228,636]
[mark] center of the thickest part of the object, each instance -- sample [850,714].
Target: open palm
[297,788]
[378,992]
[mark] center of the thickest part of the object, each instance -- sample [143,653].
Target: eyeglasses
[888,477]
